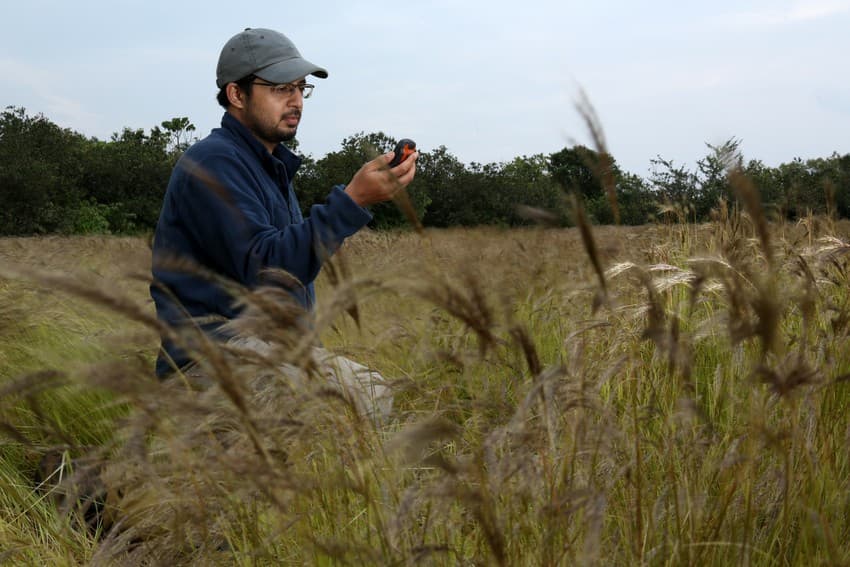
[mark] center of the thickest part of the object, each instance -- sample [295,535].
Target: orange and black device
[403,149]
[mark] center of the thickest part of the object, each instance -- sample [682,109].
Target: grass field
[659,395]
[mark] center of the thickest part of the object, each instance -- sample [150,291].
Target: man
[230,208]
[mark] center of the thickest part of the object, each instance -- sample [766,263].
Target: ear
[235,95]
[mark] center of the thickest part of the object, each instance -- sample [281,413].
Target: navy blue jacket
[230,207]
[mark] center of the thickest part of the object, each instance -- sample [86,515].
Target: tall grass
[677,394]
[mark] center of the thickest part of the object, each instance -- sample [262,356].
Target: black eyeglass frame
[287,89]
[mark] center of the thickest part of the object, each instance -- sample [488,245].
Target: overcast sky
[489,80]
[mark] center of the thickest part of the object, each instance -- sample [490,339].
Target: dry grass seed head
[603,166]
[466,301]
[580,216]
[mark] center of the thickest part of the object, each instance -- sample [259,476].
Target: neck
[240,116]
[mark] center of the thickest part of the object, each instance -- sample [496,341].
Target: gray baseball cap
[268,54]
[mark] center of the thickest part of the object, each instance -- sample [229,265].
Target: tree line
[56,180]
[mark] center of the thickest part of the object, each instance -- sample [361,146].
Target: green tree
[673,185]
[40,170]
[180,133]
[638,204]
[768,182]
[712,177]
[527,181]
[487,197]
[575,169]
[440,175]
[316,178]
[587,172]
[802,187]
[130,174]
[839,175]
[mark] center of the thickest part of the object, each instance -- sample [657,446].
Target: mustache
[292,114]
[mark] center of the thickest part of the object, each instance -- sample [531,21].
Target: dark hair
[244,83]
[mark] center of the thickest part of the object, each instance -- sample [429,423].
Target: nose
[297,99]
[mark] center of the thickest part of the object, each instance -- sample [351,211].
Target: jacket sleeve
[227,216]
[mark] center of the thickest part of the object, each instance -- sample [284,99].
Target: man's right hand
[376,183]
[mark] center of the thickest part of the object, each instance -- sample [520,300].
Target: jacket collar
[281,155]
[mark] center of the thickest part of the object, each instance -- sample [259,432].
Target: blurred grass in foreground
[687,404]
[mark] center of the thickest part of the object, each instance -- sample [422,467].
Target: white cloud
[21,74]
[47,88]
[815,10]
[70,113]
[799,11]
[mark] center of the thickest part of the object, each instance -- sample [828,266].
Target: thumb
[382,161]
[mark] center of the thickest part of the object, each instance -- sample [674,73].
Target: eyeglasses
[286,90]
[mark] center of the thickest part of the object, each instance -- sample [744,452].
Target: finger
[381,162]
[407,177]
[406,165]
[385,159]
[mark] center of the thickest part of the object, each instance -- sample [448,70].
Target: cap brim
[290,70]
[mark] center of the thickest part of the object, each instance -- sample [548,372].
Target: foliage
[130,173]
[180,134]
[317,177]
[581,170]
[577,169]
[40,169]
[54,180]
[92,217]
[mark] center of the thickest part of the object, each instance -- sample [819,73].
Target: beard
[276,132]
[285,136]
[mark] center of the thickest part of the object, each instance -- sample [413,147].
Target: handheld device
[403,148]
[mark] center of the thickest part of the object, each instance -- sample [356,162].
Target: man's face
[271,113]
